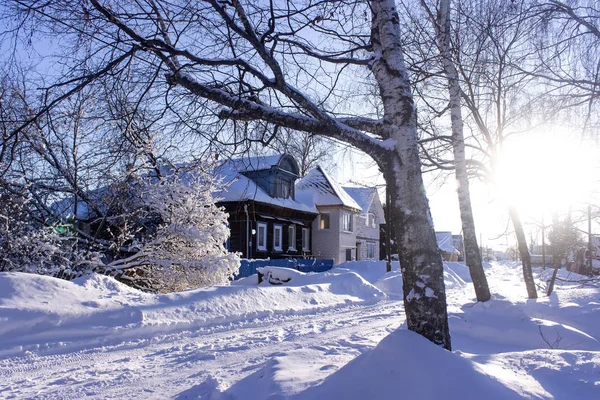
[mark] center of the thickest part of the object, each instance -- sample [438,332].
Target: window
[277,234]
[347,222]
[305,239]
[292,237]
[283,188]
[261,240]
[371,220]
[324,221]
[370,250]
[348,254]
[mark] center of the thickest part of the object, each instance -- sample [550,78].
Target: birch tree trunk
[422,269]
[523,251]
[472,252]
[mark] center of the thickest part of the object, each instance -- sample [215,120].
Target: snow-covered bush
[179,236]
[27,245]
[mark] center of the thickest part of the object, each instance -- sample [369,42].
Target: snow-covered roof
[363,196]
[101,199]
[444,241]
[242,188]
[324,190]
[238,187]
[258,163]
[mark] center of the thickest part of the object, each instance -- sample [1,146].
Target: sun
[544,173]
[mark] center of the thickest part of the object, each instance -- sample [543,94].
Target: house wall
[333,242]
[270,215]
[366,234]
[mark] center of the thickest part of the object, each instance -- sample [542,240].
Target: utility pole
[590,237]
[543,243]
[388,236]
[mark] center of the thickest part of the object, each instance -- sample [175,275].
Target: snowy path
[170,364]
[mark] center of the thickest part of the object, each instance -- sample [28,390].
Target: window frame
[305,239]
[350,222]
[277,227]
[321,221]
[371,245]
[260,225]
[371,220]
[292,237]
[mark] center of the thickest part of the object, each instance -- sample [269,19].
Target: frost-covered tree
[442,24]
[219,67]
[178,235]
[29,245]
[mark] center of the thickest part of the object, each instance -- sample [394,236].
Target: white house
[347,227]
[368,221]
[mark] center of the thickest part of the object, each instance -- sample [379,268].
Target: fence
[248,267]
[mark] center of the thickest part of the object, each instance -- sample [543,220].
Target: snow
[242,188]
[322,190]
[338,334]
[444,240]
[363,197]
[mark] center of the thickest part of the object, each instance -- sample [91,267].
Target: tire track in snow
[231,347]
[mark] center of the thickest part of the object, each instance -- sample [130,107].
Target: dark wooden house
[265,218]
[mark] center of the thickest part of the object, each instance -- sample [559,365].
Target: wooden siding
[270,215]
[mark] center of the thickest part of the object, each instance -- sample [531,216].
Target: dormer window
[283,188]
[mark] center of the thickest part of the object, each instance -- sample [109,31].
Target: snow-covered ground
[336,335]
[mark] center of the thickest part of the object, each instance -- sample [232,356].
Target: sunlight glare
[545,173]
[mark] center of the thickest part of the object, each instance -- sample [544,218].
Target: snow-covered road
[168,365]
[317,336]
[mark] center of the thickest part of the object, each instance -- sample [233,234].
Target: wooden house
[265,218]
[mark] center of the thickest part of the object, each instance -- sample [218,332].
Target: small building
[444,240]
[334,230]
[459,244]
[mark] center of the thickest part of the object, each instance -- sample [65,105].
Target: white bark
[472,252]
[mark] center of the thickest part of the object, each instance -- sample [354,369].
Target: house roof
[237,186]
[444,240]
[242,188]
[363,196]
[324,191]
[259,163]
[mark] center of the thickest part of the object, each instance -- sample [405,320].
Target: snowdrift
[36,308]
[508,347]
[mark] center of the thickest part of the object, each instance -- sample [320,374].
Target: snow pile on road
[37,308]
[35,304]
[403,365]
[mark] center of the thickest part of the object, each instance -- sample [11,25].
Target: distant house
[368,222]
[458,244]
[444,240]
[265,218]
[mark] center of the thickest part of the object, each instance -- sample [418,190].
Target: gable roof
[324,191]
[237,186]
[444,240]
[241,188]
[363,196]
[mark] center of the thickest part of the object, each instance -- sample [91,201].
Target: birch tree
[230,64]
[473,259]
[500,98]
